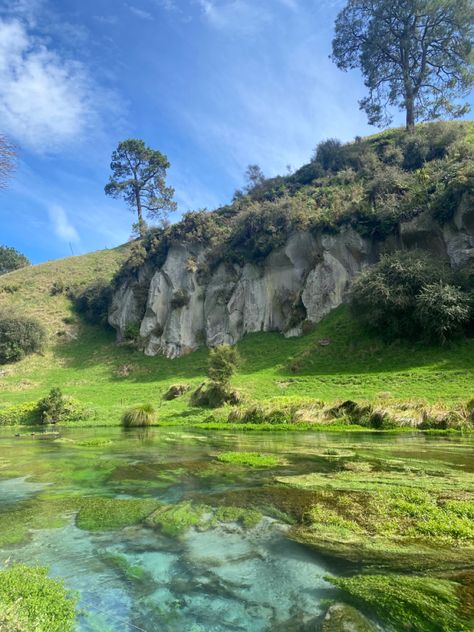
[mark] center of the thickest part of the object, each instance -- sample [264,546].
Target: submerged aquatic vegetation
[30,600]
[177,519]
[130,572]
[96,442]
[101,514]
[248,518]
[407,519]
[412,603]
[251,459]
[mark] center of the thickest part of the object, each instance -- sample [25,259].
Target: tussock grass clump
[175,391]
[139,416]
[214,395]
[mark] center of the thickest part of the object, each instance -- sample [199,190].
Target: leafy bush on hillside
[56,408]
[410,295]
[93,301]
[11,259]
[223,362]
[19,336]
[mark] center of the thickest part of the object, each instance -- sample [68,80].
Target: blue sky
[213,84]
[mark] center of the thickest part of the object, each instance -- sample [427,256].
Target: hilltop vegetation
[371,184]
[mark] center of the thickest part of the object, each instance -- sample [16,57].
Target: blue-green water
[223,578]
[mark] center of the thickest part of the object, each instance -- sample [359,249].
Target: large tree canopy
[139,176]
[414,54]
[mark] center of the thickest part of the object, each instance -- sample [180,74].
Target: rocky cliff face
[300,283]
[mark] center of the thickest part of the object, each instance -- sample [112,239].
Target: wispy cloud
[238,16]
[62,226]
[139,13]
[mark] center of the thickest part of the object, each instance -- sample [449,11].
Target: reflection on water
[214,579]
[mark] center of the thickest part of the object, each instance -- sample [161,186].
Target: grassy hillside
[86,363]
[372,184]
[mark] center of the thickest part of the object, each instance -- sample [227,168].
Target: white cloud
[61,224]
[140,13]
[45,100]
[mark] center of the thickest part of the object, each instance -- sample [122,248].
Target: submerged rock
[343,618]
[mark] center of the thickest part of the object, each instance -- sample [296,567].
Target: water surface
[222,578]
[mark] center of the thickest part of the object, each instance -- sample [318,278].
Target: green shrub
[19,336]
[34,601]
[93,302]
[442,310]
[11,259]
[132,332]
[139,416]
[56,408]
[20,415]
[408,295]
[223,362]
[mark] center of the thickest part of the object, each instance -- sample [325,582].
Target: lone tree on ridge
[414,54]
[139,177]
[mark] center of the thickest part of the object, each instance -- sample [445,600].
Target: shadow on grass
[351,351]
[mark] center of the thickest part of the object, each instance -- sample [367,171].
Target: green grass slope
[87,364]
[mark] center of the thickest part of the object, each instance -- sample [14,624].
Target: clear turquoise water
[226,578]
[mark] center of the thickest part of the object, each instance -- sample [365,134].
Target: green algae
[30,600]
[249,459]
[103,514]
[174,520]
[248,518]
[16,525]
[96,442]
[412,603]
[130,572]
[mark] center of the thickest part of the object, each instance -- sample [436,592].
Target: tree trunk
[410,107]
[141,223]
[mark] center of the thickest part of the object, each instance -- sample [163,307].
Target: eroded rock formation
[184,304]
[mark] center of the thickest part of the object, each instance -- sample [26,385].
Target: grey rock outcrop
[184,305]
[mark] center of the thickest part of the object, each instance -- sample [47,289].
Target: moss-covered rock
[411,603]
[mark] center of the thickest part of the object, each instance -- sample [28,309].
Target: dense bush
[20,415]
[56,408]
[93,301]
[409,295]
[223,362]
[19,336]
[11,259]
